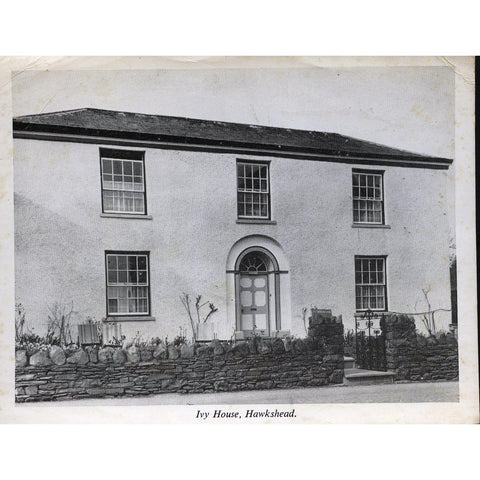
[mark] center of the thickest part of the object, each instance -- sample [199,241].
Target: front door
[254,304]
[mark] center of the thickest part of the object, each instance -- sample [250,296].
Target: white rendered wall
[61,238]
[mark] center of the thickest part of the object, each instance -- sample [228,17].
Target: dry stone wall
[56,374]
[414,357]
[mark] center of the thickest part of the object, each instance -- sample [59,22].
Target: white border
[464,412]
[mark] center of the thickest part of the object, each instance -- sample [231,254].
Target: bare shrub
[196,317]
[58,327]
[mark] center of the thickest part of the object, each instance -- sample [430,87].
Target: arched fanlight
[253,262]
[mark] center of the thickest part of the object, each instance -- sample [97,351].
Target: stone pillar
[399,331]
[417,357]
[326,332]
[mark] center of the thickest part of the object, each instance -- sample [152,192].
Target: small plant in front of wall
[25,337]
[117,342]
[349,337]
[198,316]
[58,329]
[136,341]
[180,339]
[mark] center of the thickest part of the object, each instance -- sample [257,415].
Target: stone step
[348,362]
[358,376]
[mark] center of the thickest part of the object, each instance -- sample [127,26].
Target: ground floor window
[128,283]
[370,283]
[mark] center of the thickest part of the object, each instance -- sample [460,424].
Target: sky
[411,108]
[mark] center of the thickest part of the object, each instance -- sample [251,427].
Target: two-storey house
[120,213]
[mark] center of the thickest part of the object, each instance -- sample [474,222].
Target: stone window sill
[369,225]
[256,221]
[133,318]
[126,215]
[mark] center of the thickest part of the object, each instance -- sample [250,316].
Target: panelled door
[254,304]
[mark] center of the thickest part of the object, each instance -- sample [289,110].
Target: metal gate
[370,341]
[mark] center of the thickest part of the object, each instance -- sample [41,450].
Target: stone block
[80,357]
[264,385]
[278,346]
[216,347]
[204,351]
[240,348]
[264,347]
[133,354]
[114,391]
[92,354]
[160,351]
[96,391]
[57,355]
[105,355]
[33,390]
[25,377]
[47,386]
[220,386]
[332,358]
[167,383]
[173,352]
[336,376]
[119,357]
[90,382]
[21,358]
[187,351]
[146,354]
[310,344]
[40,359]
[299,346]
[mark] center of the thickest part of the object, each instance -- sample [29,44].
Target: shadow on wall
[46,260]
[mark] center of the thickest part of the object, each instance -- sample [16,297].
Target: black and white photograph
[260,237]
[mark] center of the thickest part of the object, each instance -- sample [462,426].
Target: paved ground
[394,393]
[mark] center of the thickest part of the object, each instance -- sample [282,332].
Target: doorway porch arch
[258,287]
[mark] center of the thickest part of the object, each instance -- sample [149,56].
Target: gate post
[326,331]
[397,329]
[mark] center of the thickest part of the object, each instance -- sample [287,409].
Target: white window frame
[265,192]
[127,284]
[369,284]
[368,199]
[122,186]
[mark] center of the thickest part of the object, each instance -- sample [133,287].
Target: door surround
[278,285]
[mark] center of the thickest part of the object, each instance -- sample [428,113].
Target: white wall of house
[61,238]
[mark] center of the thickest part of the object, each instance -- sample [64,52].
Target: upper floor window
[370,283]
[128,284]
[123,181]
[368,197]
[253,190]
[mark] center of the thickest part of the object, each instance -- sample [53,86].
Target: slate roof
[204,133]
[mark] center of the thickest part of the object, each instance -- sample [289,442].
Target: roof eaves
[26,123]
